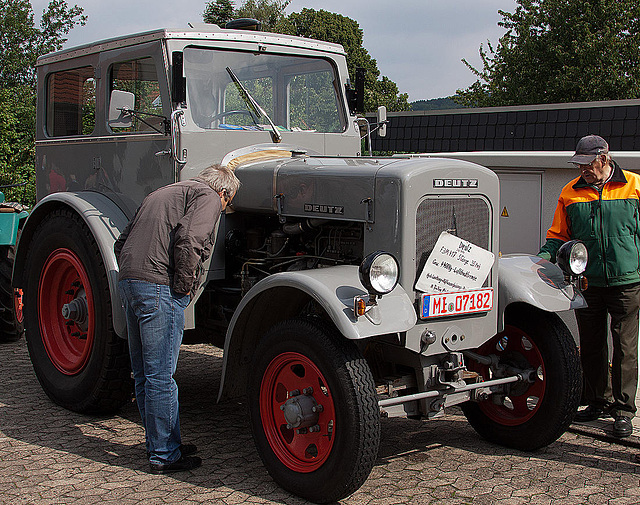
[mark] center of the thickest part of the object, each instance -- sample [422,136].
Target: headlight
[379,273]
[572,257]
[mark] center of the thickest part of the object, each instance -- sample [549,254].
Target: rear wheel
[79,360]
[314,411]
[11,318]
[529,415]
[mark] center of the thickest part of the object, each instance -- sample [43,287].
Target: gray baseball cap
[588,148]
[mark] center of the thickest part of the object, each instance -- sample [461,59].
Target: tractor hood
[309,186]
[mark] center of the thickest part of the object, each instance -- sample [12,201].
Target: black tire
[11,319]
[82,366]
[335,462]
[530,416]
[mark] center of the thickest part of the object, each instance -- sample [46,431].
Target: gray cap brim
[582,159]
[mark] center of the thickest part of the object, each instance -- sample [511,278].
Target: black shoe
[591,413]
[622,427]
[188,449]
[185,450]
[181,465]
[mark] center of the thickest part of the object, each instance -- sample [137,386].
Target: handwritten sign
[454,265]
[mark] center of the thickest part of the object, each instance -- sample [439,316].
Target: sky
[418,44]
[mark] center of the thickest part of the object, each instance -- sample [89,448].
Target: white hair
[220,178]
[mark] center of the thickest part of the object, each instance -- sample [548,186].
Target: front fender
[534,281]
[105,221]
[282,296]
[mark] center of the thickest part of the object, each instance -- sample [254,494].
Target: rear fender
[284,296]
[105,220]
[534,281]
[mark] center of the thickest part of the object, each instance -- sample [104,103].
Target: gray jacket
[170,236]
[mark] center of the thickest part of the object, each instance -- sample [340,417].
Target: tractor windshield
[298,93]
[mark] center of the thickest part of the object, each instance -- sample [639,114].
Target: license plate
[460,302]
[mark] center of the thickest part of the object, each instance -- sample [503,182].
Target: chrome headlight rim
[572,257]
[379,272]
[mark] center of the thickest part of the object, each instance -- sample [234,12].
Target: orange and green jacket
[608,224]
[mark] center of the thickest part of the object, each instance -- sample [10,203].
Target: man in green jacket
[600,207]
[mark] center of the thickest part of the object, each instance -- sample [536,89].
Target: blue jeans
[155,323]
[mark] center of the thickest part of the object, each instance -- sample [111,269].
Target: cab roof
[195,32]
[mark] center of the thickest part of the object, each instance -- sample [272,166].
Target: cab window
[140,78]
[71,102]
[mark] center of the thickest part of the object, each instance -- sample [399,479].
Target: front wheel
[79,360]
[529,416]
[314,411]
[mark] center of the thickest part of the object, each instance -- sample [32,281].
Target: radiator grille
[467,218]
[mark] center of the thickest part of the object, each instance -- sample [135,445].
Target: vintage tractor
[341,287]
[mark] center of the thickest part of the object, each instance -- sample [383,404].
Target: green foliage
[435,104]
[321,25]
[269,12]
[17,147]
[22,43]
[560,51]
[218,12]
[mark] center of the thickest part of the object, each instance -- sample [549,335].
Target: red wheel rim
[514,346]
[18,305]
[67,342]
[300,452]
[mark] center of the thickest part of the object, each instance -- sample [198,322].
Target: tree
[219,12]
[22,44]
[269,12]
[560,51]
[321,25]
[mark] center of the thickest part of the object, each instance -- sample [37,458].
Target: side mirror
[382,121]
[355,96]
[121,102]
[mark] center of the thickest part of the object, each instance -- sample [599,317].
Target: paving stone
[49,455]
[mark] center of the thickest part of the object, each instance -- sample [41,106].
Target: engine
[256,250]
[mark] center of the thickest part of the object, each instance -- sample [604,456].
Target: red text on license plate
[460,302]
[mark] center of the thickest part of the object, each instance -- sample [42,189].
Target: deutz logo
[455,183]
[323,209]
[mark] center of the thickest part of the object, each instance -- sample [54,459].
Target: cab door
[135,158]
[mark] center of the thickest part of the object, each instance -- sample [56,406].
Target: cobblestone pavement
[51,456]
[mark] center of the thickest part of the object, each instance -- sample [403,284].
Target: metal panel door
[520,211]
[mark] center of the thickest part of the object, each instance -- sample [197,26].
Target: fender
[535,281]
[105,220]
[283,295]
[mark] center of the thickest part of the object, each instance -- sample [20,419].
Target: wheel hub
[77,310]
[301,411]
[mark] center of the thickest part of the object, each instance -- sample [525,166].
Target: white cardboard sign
[454,265]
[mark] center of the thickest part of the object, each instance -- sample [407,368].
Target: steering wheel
[238,111]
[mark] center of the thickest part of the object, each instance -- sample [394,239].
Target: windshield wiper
[251,102]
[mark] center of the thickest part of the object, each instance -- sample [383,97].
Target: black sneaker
[591,413]
[188,449]
[181,465]
[185,450]
[622,427]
